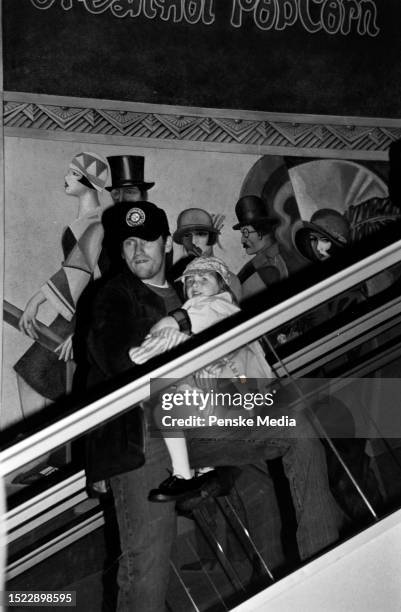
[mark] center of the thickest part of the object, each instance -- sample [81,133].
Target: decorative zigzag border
[32,115]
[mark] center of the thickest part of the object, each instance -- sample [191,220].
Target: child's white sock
[177,448]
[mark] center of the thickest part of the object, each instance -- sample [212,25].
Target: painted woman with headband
[42,374]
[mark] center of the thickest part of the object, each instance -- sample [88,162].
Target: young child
[210,300]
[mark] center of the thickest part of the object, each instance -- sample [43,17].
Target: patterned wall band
[259,132]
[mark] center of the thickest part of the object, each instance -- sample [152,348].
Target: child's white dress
[245,362]
[204,311]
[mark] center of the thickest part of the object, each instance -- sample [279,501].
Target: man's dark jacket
[124,310]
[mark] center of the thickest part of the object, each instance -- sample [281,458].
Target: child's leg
[177,448]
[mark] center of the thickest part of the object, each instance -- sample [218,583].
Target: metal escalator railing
[46,505]
[118,401]
[50,547]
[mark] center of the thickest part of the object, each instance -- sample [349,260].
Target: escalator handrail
[80,422]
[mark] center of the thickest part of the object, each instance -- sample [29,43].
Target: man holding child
[126,307]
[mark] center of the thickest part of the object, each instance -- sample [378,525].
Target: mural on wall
[295,188]
[292,189]
[183,179]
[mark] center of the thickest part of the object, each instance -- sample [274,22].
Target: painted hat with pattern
[93,167]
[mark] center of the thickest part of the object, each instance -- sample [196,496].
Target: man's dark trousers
[147,530]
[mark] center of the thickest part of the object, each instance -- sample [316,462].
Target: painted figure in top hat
[127,178]
[272,262]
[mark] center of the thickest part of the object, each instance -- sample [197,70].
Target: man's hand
[65,350]
[27,322]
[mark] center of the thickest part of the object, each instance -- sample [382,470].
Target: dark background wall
[78,53]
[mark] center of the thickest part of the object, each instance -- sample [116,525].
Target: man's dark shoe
[220,482]
[175,488]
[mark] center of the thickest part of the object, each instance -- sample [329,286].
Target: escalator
[60,539]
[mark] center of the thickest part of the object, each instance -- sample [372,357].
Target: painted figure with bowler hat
[272,262]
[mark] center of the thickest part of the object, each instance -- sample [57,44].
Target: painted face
[205,284]
[252,241]
[127,194]
[146,259]
[199,239]
[320,246]
[72,185]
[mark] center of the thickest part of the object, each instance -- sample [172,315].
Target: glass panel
[346,307]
